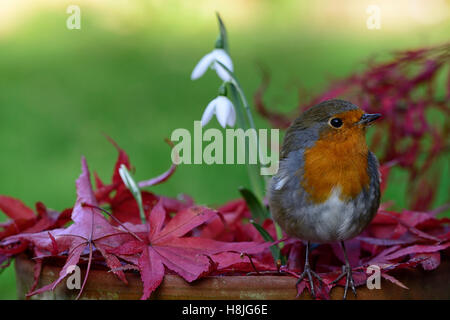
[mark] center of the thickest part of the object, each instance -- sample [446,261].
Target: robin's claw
[346,272]
[310,273]
[307,271]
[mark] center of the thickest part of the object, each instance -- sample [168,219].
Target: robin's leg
[307,271]
[346,272]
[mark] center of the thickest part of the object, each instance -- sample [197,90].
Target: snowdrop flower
[210,61]
[223,109]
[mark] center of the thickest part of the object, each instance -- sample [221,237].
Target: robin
[327,188]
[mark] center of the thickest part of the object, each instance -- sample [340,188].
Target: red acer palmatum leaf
[122,159]
[431,260]
[21,216]
[407,221]
[90,231]
[159,179]
[49,219]
[240,263]
[173,205]
[225,227]
[25,221]
[166,247]
[417,249]
[384,242]
[15,209]
[353,248]
[103,191]
[393,280]
[125,208]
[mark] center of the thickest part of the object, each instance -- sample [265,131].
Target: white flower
[223,109]
[210,60]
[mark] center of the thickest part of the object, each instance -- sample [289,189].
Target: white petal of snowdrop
[222,56]
[210,60]
[202,66]
[223,109]
[208,113]
[231,120]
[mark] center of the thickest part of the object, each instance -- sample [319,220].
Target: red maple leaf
[123,205]
[165,247]
[89,231]
[21,216]
[23,219]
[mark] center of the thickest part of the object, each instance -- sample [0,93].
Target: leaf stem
[84,204]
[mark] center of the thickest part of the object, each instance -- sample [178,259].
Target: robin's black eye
[336,122]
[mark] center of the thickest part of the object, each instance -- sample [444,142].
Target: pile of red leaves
[191,241]
[170,240]
[181,238]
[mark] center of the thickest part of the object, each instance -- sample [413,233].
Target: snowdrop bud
[128,180]
[224,110]
[223,89]
[219,43]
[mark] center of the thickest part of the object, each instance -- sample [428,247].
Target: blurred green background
[126,73]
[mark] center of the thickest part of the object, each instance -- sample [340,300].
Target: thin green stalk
[252,170]
[134,189]
[241,119]
[240,101]
[255,177]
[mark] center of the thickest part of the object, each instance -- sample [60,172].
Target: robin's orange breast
[338,159]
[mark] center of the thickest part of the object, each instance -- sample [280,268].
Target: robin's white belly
[332,220]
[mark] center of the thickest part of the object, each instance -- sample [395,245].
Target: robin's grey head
[335,120]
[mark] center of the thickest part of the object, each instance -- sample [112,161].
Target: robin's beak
[368,118]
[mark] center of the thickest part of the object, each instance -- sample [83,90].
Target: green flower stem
[240,101]
[241,93]
[253,170]
[241,119]
[258,183]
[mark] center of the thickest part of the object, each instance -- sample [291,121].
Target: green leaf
[257,183]
[275,249]
[258,211]
[134,189]
[266,236]
[222,40]
[241,117]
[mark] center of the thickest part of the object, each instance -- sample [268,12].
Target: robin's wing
[298,140]
[375,180]
[290,168]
